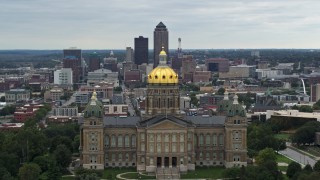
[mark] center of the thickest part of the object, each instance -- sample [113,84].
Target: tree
[42,161]
[220,91]
[54,172]
[118,89]
[265,155]
[293,168]
[29,171]
[308,168]
[316,166]
[305,108]
[306,133]
[232,173]
[62,156]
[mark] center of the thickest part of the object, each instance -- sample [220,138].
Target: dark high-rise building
[94,61]
[140,50]
[73,63]
[72,52]
[160,38]
[72,58]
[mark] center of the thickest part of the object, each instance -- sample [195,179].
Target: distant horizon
[205,24]
[169,49]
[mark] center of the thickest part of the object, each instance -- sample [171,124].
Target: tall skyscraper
[72,58]
[161,39]
[94,62]
[140,50]
[129,54]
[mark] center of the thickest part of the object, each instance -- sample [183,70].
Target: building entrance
[159,161]
[174,161]
[166,161]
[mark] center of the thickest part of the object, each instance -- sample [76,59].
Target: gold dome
[162,75]
[163,53]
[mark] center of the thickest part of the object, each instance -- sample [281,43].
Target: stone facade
[164,138]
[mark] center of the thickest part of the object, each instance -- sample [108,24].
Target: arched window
[201,140]
[133,140]
[221,140]
[113,141]
[120,143]
[214,140]
[208,140]
[106,141]
[126,141]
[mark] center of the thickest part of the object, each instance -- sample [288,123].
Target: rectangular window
[142,136]
[174,137]
[174,147]
[181,147]
[189,146]
[151,146]
[151,138]
[189,136]
[142,146]
[159,147]
[181,137]
[166,149]
[158,137]
[166,138]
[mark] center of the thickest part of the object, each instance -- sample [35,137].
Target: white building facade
[63,76]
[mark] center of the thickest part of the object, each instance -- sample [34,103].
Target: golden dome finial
[94,95]
[162,52]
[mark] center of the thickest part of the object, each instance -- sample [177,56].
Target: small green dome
[94,107]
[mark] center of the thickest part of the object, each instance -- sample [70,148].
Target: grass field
[204,172]
[111,173]
[282,136]
[283,159]
[68,178]
[137,176]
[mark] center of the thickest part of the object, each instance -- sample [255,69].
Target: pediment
[166,124]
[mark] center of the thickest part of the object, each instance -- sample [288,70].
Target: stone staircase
[167,173]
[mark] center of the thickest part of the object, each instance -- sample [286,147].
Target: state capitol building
[163,137]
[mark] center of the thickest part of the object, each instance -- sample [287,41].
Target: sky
[201,24]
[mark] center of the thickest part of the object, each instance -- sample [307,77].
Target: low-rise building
[185,102]
[63,76]
[116,110]
[61,119]
[201,76]
[26,112]
[238,72]
[82,98]
[104,91]
[10,127]
[65,111]
[15,95]
[102,75]
[56,93]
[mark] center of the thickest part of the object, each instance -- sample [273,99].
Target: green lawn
[137,176]
[281,158]
[68,178]
[204,172]
[111,173]
[283,168]
[282,136]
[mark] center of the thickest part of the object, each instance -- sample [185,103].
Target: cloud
[201,24]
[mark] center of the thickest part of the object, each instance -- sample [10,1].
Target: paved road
[297,156]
